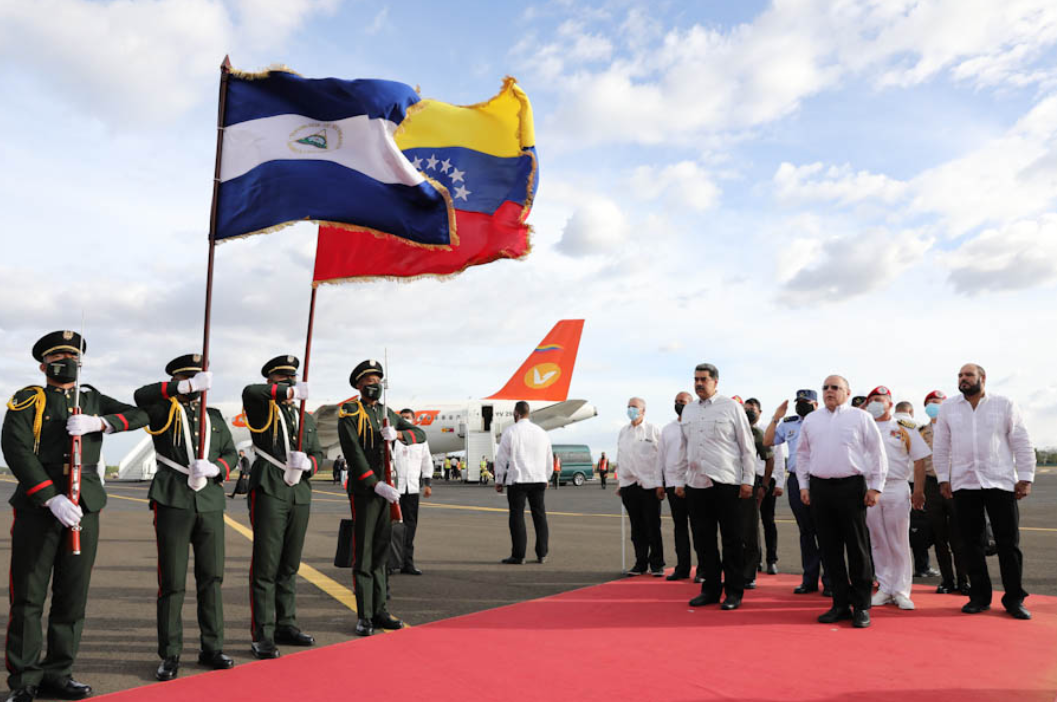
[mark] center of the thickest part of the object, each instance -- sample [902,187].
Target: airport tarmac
[462,536]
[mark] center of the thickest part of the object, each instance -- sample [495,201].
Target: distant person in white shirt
[524,463]
[983,455]
[717,472]
[668,458]
[889,519]
[841,467]
[641,487]
[414,473]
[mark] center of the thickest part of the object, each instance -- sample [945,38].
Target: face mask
[62,371]
[932,410]
[803,409]
[372,392]
[633,413]
[753,416]
[876,409]
[971,390]
[679,409]
[192,396]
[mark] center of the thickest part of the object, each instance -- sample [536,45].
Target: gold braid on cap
[38,399]
[363,422]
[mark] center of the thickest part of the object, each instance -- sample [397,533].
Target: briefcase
[343,555]
[396,546]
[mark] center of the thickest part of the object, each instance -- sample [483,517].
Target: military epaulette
[907,423]
[32,390]
[791,418]
[85,387]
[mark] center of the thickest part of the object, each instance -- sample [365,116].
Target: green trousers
[370,555]
[279,528]
[175,530]
[40,551]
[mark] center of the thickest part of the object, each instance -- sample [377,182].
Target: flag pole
[225,71]
[308,356]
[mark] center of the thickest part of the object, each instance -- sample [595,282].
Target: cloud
[839,268]
[598,226]
[1018,256]
[815,183]
[379,21]
[683,184]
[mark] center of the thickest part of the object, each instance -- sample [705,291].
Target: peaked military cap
[189,364]
[880,390]
[935,395]
[286,365]
[807,395]
[59,342]
[365,368]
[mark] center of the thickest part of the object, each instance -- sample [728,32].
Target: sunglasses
[831,387]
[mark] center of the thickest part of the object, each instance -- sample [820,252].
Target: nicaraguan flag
[322,149]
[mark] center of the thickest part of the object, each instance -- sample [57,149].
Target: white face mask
[876,409]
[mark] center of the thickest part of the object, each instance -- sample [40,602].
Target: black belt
[837,481]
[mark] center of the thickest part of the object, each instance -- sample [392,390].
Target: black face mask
[803,409]
[972,389]
[679,409]
[372,392]
[753,416]
[62,371]
[192,396]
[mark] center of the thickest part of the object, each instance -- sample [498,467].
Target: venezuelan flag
[485,156]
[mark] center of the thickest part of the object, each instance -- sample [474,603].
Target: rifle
[394,508]
[75,452]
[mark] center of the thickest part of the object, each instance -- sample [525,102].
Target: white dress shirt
[668,452]
[717,444]
[778,472]
[524,455]
[986,448]
[900,461]
[839,444]
[637,455]
[413,464]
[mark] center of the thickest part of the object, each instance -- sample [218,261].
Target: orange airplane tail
[546,373]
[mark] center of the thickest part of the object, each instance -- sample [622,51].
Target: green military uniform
[36,447]
[359,430]
[182,516]
[278,512]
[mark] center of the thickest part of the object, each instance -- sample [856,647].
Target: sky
[786,190]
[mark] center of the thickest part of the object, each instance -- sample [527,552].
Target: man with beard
[983,456]
[786,430]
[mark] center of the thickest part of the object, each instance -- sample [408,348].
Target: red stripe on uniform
[157,545]
[253,619]
[123,420]
[165,390]
[275,388]
[39,487]
[315,466]
[410,435]
[364,476]
[226,468]
[352,504]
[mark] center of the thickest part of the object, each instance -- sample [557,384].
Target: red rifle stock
[75,487]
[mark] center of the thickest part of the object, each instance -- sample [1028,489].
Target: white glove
[79,424]
[201,382]
[203,468]
[65,511]
[299,392]
[387,491]
[299,461]
[389,434]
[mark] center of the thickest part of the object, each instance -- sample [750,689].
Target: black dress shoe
[264,649]
[513,561]
[364,628]
[827,592]
[730,603]
[541,559]
[834,615]
[861,618]
[963,589]
[23,694]
[293,636]
[678,576]
[168,668]
[944,589]
[703,599]
[410,570]
[658,573]
[698,579]
[386,621]
[751,585]
[974,608]
[215,660]
[804,589]
[1018,612]
[67,689]
[772,569]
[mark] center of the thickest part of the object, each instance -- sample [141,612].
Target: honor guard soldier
[280,500]
[188,502]
[36,443]
[363,437]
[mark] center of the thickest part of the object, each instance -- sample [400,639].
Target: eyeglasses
[831,387]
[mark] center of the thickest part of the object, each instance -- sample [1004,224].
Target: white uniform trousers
[889,523]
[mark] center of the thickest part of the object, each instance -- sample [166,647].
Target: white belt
[291,476]
[196,483]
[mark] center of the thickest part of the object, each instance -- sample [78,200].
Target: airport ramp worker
[187,497]
[36,443]
[363,436]
[280,501]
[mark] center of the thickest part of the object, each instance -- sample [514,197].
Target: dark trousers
[750,534]
[516,496]
[681,520]
[811,558]
[409,511]
[177,530]
[839,508]
[602,477]
[719,506]
[644,513]
[770,530]
[1001,508]
[372,531]
[279,528]
[920,538]
[945,534]
[40,551]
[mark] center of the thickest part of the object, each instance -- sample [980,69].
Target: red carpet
[637,639]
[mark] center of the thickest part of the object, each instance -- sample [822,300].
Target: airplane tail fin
[548,371]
